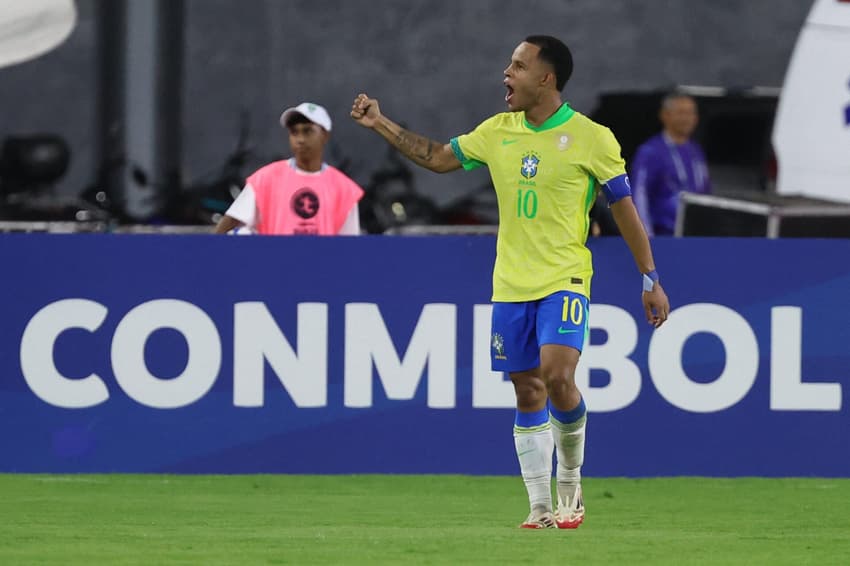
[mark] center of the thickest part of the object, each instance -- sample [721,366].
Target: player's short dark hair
[556,53]
[296,119]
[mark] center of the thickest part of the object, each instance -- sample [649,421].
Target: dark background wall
[56,93]
[435,65]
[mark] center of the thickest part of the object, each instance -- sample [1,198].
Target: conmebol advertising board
[347,355]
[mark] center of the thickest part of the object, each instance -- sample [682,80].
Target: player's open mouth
[509,94]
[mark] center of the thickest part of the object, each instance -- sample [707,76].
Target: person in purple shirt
[667,164]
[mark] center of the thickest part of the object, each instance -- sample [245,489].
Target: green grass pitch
[271,519]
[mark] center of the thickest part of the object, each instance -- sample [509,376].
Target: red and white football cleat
[570,512]
[539,519]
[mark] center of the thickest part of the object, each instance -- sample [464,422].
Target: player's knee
[558,378]
[562,391]
[530,391]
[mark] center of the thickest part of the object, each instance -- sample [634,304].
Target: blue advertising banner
[204,354]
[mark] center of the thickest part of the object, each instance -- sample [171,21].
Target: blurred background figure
[667,164]
[301,195]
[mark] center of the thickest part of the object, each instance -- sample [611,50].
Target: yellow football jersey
[546,179]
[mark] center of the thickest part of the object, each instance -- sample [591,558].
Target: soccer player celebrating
[547,163]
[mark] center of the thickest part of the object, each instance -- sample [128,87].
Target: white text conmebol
[370,356]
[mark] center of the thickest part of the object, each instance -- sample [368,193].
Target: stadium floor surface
[281,519]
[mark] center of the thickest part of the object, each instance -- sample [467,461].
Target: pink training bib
[292,202]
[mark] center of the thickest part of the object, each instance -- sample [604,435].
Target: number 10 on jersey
[526,203]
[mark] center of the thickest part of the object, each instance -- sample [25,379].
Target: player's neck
[543,110]
[312,165]
[675,138]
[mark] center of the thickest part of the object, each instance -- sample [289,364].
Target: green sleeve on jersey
[468,164]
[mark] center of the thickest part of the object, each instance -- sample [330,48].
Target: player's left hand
[655,305]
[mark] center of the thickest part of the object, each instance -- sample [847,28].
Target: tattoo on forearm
[418,148]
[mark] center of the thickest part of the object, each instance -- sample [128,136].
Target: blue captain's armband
[617,188]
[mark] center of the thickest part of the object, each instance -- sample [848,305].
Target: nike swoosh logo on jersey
[562,330]
[508,142]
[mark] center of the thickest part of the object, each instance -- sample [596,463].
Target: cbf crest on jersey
[529,165]
[499,346]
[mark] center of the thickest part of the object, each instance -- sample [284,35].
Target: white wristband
[649,280]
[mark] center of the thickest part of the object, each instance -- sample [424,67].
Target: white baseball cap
[309,110]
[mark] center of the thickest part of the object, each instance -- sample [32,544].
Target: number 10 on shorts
[573,310]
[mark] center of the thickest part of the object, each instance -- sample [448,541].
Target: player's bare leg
[568,419]
[534,445]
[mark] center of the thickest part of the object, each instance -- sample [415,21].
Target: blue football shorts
[520,329]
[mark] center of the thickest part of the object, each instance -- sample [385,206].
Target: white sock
[569,442]
[534,450]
